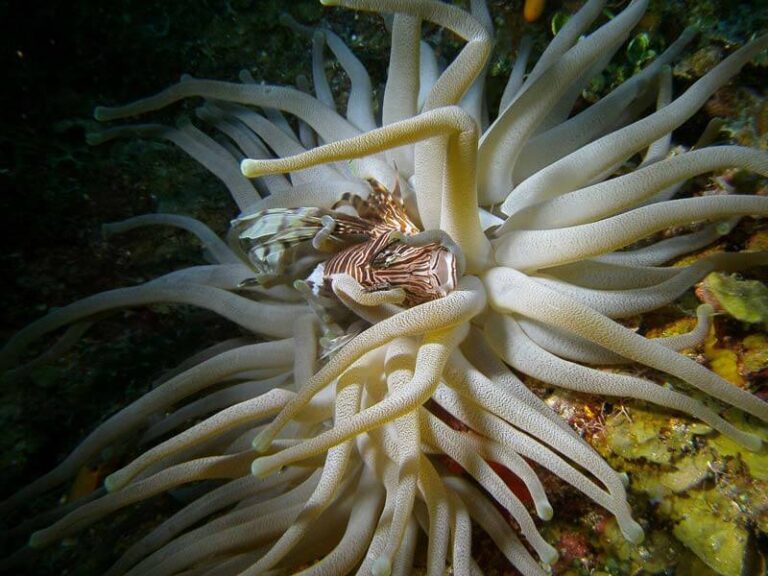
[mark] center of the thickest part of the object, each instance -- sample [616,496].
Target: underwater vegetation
[464,334]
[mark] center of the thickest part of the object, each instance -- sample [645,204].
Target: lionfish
[375,247]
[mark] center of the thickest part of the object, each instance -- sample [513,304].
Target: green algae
[653,556]
[710,534]
[650,435]
[712,492]
[755,354]
[756,462]
[745,300]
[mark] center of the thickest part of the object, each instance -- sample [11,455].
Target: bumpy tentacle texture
[345,423]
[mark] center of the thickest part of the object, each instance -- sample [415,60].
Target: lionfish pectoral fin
[355,201]
[263,280]
[249,283]
[331,342]
[314,301]
[397,193]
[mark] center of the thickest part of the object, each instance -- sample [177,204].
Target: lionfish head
[424,272]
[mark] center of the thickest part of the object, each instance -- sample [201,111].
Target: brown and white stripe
[424,272]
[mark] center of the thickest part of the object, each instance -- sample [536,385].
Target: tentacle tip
[624,477]
[37,540]
[259,468]
[633,532]
[262,442]
[329,2]
[690,31]
[398,296]
[752,442]
[549,555]
[107,230]
[250,168]
[705,310]
[381,566]
[94,138]
[114,482]
[545,511]
[101,113]
[302,287]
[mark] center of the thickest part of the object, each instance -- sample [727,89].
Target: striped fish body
[278,242]
[284,245]
[424,272]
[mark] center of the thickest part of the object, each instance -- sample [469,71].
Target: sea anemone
[393,303]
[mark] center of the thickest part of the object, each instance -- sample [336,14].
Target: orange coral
[533,9]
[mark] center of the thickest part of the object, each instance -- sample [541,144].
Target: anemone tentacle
[348,419]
